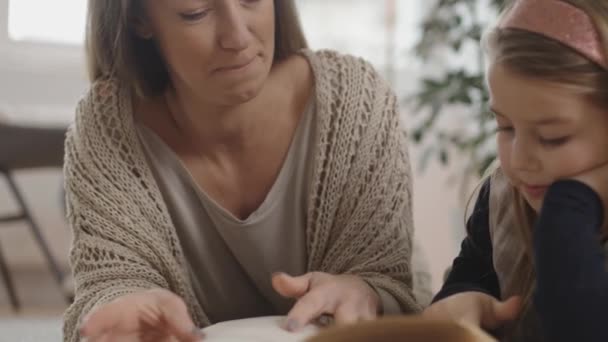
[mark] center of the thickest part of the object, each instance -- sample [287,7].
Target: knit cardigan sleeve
[361,203]
[121,244]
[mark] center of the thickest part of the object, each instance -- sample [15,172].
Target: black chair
[29,148]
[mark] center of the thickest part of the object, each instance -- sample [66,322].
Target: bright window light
[48,21]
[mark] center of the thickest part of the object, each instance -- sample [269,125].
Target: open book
[403,328]
[261,329]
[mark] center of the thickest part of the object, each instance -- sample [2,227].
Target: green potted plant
[453,30]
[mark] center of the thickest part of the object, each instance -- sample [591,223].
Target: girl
[533,263]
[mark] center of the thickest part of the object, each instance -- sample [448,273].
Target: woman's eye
[194,16]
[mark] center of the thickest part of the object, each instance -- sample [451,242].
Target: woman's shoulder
[332,58]
[105,104]
[105,97]
[346,85]
[102,117]
[340,68]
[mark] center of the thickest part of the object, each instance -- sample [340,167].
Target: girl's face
[546,131]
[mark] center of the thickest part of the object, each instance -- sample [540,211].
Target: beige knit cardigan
[359,213]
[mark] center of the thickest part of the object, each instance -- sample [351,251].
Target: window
[379,31]
[44,21]
[382,32]
[356,26]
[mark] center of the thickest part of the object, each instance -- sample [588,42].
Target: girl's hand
[476,308]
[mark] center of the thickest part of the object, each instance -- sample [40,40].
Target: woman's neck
[233,128]
[211,125]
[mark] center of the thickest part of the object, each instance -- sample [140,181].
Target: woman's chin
[240,96]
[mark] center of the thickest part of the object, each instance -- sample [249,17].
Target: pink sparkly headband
[560,21]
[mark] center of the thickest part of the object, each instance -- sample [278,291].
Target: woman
[213,156]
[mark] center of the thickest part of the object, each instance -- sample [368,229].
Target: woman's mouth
[238,66]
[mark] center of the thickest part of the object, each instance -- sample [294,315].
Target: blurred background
[428,50]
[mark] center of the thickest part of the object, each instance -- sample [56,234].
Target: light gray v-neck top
[232,260]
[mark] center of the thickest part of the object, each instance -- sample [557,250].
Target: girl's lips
[534,191]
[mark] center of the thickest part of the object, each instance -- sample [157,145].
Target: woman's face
[218,50]
[546,132]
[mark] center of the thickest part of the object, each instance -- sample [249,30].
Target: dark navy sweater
[571,295]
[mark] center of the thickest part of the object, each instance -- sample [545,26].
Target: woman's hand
[475,308]
[154,315]
[347,297]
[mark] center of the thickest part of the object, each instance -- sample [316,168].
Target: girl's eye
[555,142]
[504,129]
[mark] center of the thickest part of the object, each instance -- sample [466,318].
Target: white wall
[41,84]
[38,84]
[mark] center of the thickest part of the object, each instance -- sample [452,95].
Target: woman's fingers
[347,313]
[348,298]
[102,321]
[307,309]
[175,315]
[291,287]
[133,317]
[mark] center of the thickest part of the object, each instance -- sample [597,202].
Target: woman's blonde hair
[115,50]
[534,56]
